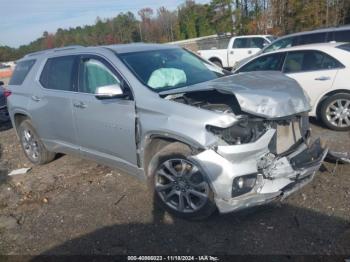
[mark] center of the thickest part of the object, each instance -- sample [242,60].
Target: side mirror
[2,83]
[110,91]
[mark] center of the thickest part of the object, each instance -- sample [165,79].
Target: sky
[22,21]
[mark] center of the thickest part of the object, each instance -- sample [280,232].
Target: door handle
[80,105]
[36,98]
[323,78]
[249,51]
[231,52]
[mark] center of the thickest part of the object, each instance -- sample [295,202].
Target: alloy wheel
[338,113]
[181,185]
[30,144]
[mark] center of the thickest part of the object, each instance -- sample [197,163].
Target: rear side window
[271,62]
[312,38]
[342,36]
[58,73]
[309,61]
[21,71]
[241,43]
[246,42]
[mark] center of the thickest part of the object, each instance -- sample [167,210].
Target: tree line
[191,20]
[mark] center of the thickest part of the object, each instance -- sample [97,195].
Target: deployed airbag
[167,77]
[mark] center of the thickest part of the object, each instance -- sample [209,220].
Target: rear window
[345,47]
[21,71]
[282,43]
[58,73]
[253,42]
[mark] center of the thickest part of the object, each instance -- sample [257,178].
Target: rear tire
[33,147]
[178,184]
[335,112]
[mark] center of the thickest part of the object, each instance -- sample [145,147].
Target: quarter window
[309,61]
[58,73]
[271,62]
[21,71]
[93,74]
[312,38]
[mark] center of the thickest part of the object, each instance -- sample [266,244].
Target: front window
[94,74]
[170,68]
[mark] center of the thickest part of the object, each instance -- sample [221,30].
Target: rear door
[51,105]
[105,128]
[315,71]
[244,47]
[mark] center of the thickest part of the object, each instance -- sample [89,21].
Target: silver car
[202,138]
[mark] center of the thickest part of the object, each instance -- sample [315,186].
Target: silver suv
[202,138]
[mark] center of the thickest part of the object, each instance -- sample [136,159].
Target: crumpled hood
[267,94]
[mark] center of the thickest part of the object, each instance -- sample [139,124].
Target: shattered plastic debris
[20,171]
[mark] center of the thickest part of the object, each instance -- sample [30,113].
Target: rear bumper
[277,180]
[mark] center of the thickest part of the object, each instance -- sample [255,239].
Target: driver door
[105,127]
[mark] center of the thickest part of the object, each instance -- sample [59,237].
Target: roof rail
[70,47]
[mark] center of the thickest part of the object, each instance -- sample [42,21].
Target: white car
[323,70]
[239,47]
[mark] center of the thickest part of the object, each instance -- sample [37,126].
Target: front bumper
[283,175]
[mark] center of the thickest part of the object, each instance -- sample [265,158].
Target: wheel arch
[155,142]
[318,105]
[215,58]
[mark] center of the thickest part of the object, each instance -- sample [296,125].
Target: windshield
[282,43]
[271,38]
[170,68]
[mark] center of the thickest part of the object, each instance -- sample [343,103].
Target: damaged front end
[270,159]
[258,158]
[267,152]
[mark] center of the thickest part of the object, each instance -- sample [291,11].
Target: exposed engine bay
[249,128]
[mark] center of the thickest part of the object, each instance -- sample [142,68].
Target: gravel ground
[75,206]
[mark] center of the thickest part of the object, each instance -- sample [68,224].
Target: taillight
[7,93]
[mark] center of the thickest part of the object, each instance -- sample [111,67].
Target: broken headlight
[245,131]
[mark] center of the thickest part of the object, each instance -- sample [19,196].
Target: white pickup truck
[239,47]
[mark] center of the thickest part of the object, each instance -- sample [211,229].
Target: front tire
[33,147]
[335,112]
[179,185]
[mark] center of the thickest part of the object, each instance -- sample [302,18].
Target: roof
[319,46]
[120,48]
[246,36]
[138,47]
[321,30]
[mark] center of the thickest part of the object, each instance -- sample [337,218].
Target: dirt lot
[74,206]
